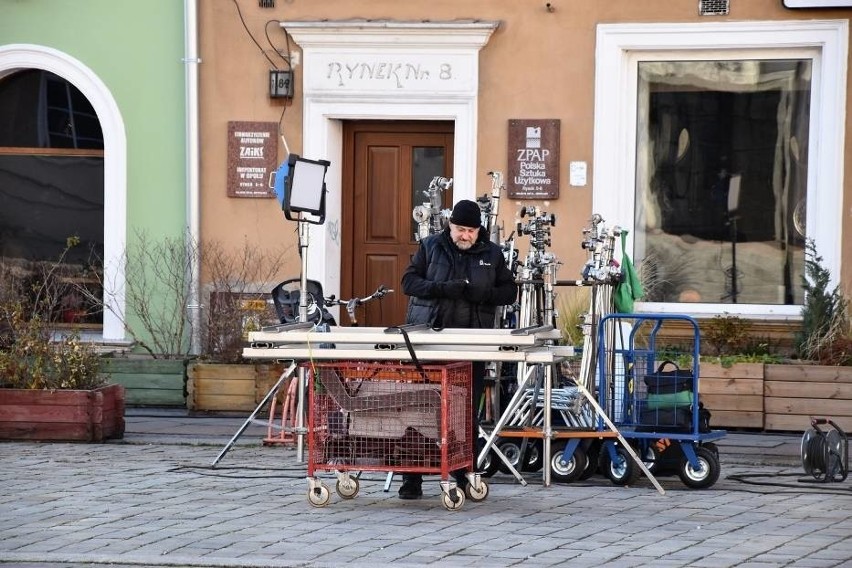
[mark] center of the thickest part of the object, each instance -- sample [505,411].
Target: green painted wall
[136,48]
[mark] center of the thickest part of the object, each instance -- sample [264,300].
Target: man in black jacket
[456,279]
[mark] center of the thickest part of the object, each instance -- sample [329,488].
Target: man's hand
[452,289]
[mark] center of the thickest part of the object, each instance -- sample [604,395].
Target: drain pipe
[191,61]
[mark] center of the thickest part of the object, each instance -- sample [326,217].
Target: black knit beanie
[467,214]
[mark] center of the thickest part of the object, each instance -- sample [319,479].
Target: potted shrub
[732,373]
[51,385]
[819,384]
[157,291]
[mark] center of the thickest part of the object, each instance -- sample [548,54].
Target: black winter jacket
[438,260]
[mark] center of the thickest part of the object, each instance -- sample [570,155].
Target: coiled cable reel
[825,453]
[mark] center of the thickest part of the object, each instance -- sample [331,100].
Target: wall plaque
[252,155]
[533,159]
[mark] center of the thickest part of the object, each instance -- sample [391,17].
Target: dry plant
[727,334]
[826,334]
[660,283]
[157,289]
[573,306]
[238,291]
[32,354]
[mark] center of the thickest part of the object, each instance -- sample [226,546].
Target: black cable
[215,472]
[240,13]
[275,49]
[748,477]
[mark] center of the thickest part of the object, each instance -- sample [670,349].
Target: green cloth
[669,400]
[630,288]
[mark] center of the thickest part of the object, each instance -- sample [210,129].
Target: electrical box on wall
[281,84]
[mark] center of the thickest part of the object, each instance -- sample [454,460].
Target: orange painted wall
[538,64]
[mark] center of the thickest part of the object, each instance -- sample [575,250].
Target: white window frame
[620,47]
[17,57]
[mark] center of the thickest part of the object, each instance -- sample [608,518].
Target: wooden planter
[222,387]
[796,393]
[62,415]
[149,382]
[733,395]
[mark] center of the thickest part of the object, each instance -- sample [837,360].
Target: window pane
[44,202]
[428,162]
[722,180]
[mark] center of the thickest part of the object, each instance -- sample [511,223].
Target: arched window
[52,192]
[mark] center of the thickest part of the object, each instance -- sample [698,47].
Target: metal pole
[303,317]
[284,376]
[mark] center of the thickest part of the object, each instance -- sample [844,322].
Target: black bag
[677,419]
[668,382]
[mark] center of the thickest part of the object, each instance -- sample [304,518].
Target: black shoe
[411,487]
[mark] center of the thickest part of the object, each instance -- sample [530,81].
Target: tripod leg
[284,376]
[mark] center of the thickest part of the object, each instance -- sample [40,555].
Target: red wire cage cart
[388,417]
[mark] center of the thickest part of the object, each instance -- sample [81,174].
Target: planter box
[733,395]
[221,387]
[62,415]
[796,393]
[149,382]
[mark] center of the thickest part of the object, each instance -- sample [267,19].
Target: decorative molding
[384,70]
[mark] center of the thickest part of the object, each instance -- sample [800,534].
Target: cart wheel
[512,450]
[712,447]
[453,503]
[477,494]
[592,461]
[704,477]
[319,496]
[623,471]
[651,459]
[534,458]
[567,470]
[348,489]
[490,465]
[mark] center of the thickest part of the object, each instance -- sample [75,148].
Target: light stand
[304,202]
[733,206]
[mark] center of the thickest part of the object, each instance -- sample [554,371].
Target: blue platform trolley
[647,382]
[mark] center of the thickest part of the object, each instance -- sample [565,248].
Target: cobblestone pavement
[155,500]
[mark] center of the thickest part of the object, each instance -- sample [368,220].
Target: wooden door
[386,166]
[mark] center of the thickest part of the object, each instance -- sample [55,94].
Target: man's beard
[463,245]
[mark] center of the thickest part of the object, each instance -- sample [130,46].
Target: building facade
[713,132]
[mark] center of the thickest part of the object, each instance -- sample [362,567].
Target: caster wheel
[319,497]
[512,450]
[592,460]
[490,465]
[651,459]
[623,471]
[479,493]
[453,500]
[567,470]
[704,477]
[712,447]
[347,488]
[534,458]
